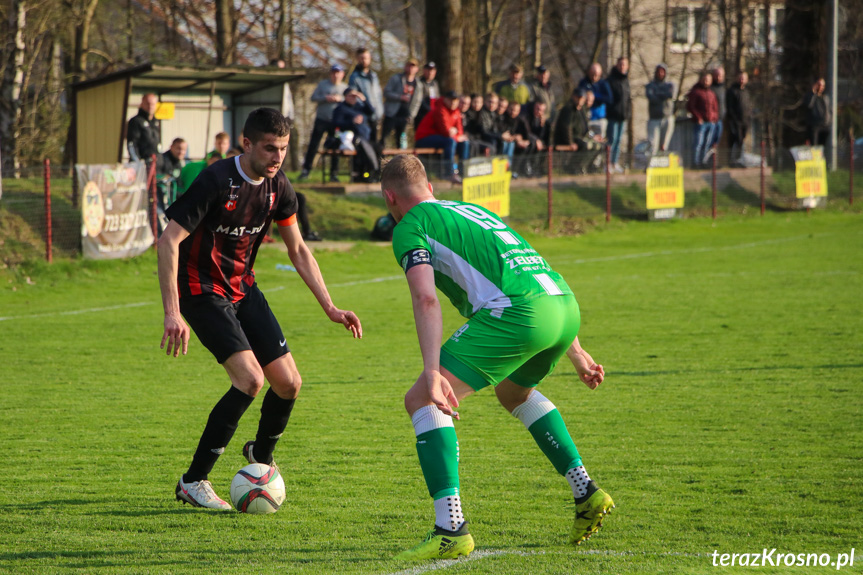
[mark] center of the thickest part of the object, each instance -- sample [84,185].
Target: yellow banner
[811,176]
[490,190]
[665,183]
[165,111]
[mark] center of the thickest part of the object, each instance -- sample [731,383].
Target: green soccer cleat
[588,516]
[440,544]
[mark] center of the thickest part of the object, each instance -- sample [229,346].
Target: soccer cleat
[440,544]
[200,494]
[588,516]
[248,453]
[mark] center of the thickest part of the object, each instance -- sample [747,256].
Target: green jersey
[479,261]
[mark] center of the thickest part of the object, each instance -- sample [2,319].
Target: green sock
[437,448]
[545,424]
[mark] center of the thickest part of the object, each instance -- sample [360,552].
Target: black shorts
[226,328]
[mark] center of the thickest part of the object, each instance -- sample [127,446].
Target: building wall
[99,123]
[684,62]
[193,113]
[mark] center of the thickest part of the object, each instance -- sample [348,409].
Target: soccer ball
[258,488]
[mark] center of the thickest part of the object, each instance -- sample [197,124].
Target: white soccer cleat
[200,494]
[248,453]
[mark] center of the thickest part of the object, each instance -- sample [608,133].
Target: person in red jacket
[704,108]
[442,128]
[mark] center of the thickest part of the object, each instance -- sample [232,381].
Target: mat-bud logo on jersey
[238,230]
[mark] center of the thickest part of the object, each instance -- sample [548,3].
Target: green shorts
[521,343]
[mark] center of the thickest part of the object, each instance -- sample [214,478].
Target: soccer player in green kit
[522,318]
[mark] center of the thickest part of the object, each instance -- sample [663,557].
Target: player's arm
[590,372]
[307,266]
[429,324]
[176,330]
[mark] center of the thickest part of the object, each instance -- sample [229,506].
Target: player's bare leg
[545,424]
[285,383]
[437,447]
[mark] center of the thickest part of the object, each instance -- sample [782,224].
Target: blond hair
[402,174]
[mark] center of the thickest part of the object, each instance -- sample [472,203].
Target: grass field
[730,418]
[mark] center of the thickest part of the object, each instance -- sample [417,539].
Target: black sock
[219,430]
[275,413]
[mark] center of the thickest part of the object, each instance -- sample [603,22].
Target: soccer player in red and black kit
[206,256]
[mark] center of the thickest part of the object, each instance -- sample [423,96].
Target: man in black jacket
[144,131]
[739,114]
[619,111]
[818,117]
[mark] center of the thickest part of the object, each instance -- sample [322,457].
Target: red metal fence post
[151,186]
[48,235]
[607,183]
[550,207]
[851,166]
[762,177]
[713,185]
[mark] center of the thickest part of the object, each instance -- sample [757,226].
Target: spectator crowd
[518,118]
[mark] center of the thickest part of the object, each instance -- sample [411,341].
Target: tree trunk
[522,34]
[409,31]
[290,60]
[471,75]
[444,40]
[537,32]
[10,95]
[281,30]
[740,44]
[492,27]
[601,32]
[224,33]
[82,38]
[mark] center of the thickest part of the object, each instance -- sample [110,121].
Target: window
[767,27]
[689,26]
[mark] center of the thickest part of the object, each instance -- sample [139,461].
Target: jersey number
[476,215]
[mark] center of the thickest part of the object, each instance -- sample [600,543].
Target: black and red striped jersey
[227,215]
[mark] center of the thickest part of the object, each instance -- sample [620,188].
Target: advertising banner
[115,219]
[810,171]
[664,185]
[486,183]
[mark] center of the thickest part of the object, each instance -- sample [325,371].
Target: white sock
[578,480]
[448,512]
[428,418]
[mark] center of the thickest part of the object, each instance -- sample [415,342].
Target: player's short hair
[222,136]
[266,121]
[402,173]
[178,141]
[362,50]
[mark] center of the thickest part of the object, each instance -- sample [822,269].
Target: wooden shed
[207,100]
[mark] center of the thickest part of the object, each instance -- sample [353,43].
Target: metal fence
[42,218]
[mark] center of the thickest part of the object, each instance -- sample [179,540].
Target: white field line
[391,278]
[348,284]
[484,553]
[77,311]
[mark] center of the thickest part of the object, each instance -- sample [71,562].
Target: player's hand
[441,393]
[589,372]
[176,333]
[348,319]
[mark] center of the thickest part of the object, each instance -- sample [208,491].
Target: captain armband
[415,258]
